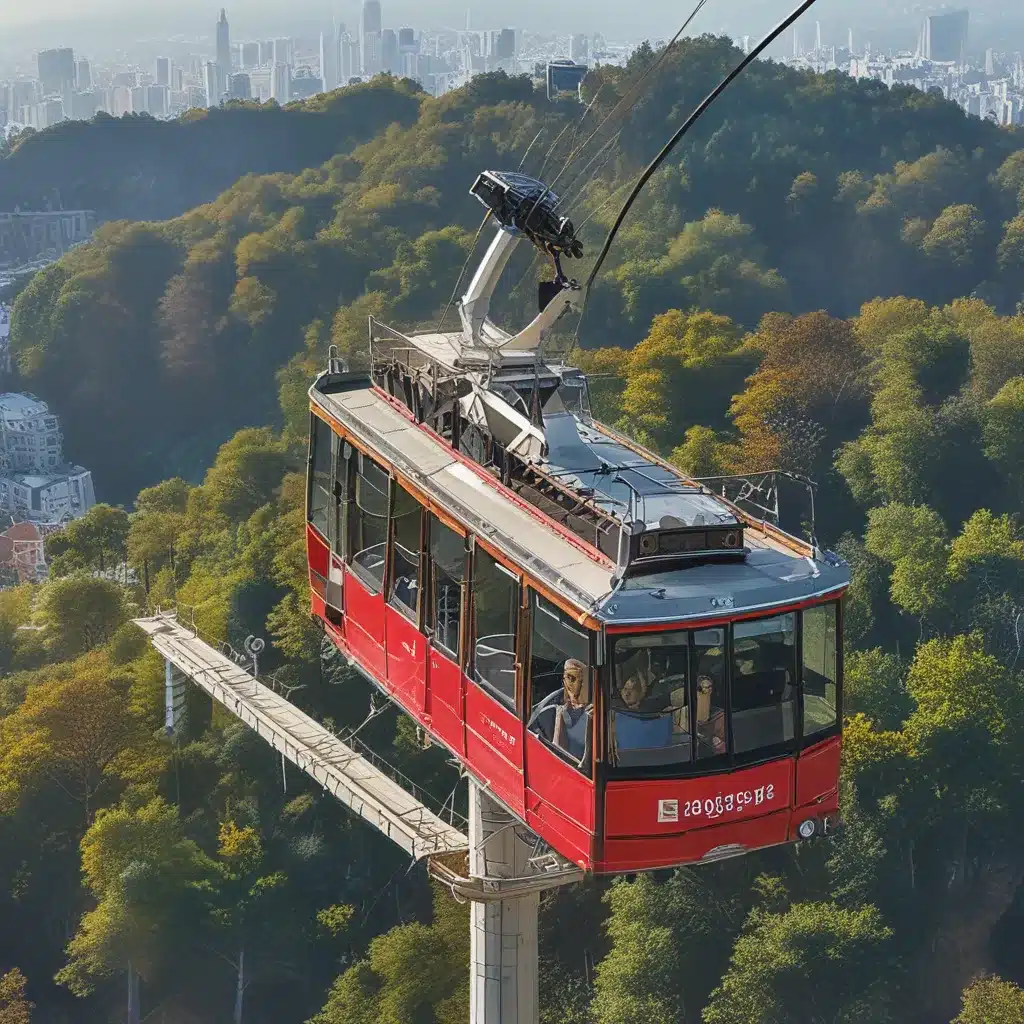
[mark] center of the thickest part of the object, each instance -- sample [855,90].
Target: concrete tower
[223,52]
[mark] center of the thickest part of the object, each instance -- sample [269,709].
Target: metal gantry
[497,866]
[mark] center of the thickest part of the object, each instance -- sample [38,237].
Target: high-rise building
[249,55]
[329,61]
[284,49]
[505,45]
[266,53]
[945,36]
[140,101]
[407,41]
[162,71]
[281,83]
[83,75]
[157,100]
[370,27]
[56,71]
[579,49]
[213,91]
[223,53]
[389,59]
[240,86]
[349,57]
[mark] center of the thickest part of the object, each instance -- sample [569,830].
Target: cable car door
[364,580]
[494,730]
[406,645]
[447,600]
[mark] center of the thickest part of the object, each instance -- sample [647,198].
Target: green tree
[992,1001]
[96,541]
[955,236]
[816,961]
[246,474]
[414,973]
[79,613]
[147,879]
[14,1005]
[1004,432]
[78,731]
[650,974]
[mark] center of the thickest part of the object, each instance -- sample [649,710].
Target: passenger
[710,722]
[634,729]
[572,716]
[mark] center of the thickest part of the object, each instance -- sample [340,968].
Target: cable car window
[369,522]
[495,621]
[321,476]
[820,634]
[562,706]
[710,687]
[406,523]
[447,574]
[763,682]
[649,708]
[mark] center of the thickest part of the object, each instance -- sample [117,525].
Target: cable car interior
[642,672]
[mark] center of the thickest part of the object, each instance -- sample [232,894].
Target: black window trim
[430,609]
[510,704]
[317,423]
[527,688]
[730,761]
[372,586]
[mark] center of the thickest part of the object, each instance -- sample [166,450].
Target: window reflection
[820,671]
[650,718]
[763,682]
[405,553]
[560,680]
[369,522]
[495,621]
[447,571]
[321,477]
[710,703]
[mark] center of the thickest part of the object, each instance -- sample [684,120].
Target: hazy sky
[37,23]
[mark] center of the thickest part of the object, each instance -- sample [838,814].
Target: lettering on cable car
[715,808]
[409,649]
[497,731]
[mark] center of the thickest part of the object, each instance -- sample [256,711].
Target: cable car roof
[772,574]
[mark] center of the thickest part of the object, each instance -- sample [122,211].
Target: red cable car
[642,672]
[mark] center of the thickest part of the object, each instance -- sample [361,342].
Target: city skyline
[52,23]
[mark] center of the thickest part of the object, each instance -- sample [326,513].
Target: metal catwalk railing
[349,776]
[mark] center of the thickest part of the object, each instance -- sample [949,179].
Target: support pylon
[503,985]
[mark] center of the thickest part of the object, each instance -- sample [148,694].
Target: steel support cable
[634,88]
[694,117]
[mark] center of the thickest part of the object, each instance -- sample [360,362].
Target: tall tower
[370,37]
[223,52]
[329,54]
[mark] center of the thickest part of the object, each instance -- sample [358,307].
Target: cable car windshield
[687,696]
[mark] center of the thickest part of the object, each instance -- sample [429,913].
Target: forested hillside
[825,280]
[136,167]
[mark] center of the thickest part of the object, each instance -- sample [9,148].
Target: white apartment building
[35,482]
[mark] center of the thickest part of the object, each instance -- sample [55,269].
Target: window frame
[729,760]
[429,612]
[317,425]
[413,616]
[588,767]
[835,728]
[377,588]
[469,665]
